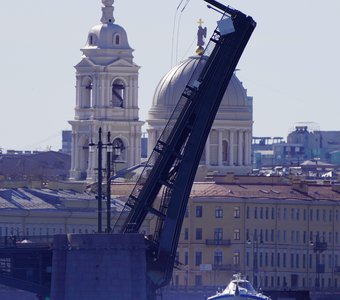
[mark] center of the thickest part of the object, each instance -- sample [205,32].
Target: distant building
[280,236]
[302,144]
[27,165]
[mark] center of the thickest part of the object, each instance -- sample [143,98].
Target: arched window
[118,93]
[116,39]
[119,153]
[86,100]
[92,39]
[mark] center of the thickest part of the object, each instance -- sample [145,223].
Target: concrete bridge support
[99,266]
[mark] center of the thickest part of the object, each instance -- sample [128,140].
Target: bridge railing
[21,241]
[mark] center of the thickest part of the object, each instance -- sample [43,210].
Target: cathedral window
[118,93]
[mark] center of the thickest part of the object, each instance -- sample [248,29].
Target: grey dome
[173,83]
[107,36]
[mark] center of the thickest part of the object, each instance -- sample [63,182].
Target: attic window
[91,40]
[116,39]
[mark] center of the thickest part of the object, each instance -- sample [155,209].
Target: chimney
[300,186]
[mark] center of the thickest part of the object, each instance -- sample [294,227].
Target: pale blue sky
[290,65]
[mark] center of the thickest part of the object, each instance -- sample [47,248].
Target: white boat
[239,289]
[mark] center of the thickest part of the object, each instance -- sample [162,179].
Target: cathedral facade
[106,98]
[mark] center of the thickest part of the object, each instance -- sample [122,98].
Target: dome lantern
[107,12]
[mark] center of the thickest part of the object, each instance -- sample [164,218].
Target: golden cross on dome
[200,22]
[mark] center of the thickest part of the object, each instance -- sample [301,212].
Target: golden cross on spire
[200,22]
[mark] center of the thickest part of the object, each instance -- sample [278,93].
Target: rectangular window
[237,212]
[198,233]
[198,258]
[292,260]
[273,213]
[292,214]
[267,213]
[284,213]
[186,234]
[199,212]
[247,258]
[248,212]
[218,212]
[330,217]
[218,234]
[236,234]
[284,261]
[272,235]
[236,258]
[317,215]
[261,213]
[255,212]
[218,258]
[298,214]
[198,280]
[304,214]
[304,260]
[297,260]
[311,215]
[278,213]
[272,259]
[278,262]
[324,215]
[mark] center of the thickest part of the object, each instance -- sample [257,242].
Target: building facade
[106,98]
[278,236]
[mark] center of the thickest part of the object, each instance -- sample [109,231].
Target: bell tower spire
[107,12]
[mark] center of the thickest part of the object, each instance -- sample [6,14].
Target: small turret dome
[107,36]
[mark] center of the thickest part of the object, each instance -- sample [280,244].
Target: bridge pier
[99,266]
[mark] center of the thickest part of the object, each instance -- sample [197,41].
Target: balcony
[218,242]
[221,267]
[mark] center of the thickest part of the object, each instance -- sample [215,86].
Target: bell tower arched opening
[118,93]
[87,100]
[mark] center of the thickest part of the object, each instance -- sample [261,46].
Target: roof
[265,191]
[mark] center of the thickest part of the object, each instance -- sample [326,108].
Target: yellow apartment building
[279,236]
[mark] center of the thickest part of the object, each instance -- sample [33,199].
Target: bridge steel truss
[164,186]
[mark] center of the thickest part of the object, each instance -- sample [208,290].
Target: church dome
[172,85]
[107,36]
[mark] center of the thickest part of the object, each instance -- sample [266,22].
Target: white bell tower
[106,97]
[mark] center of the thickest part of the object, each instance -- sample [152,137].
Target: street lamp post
[255,249]
[318,248]
[108,182]
[109,149]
